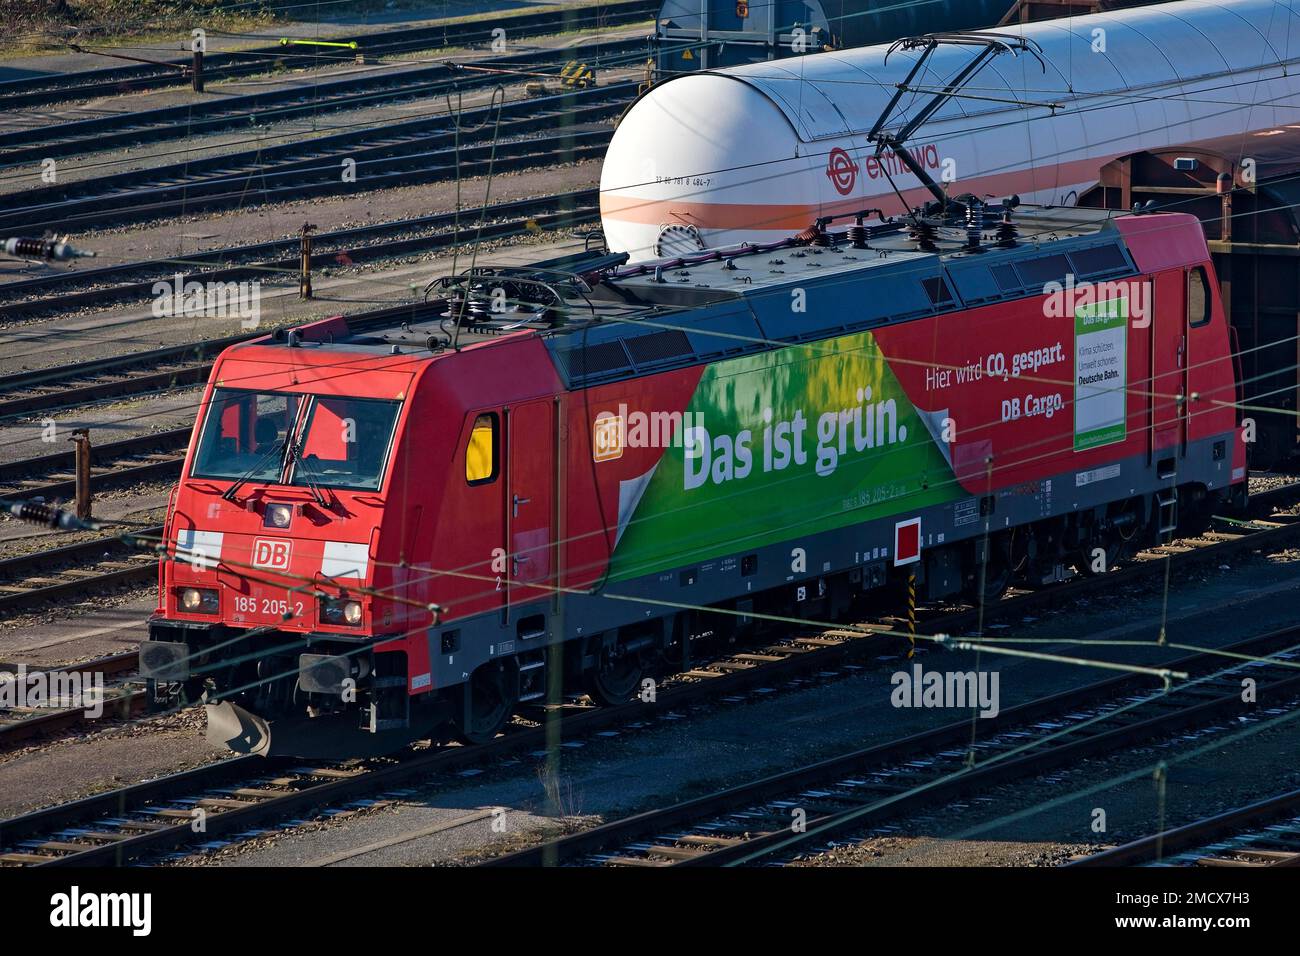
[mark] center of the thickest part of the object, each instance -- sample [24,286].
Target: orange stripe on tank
[787,216]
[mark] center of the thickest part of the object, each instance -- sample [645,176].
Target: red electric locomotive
[384,534]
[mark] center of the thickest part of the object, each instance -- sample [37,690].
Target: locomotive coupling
[328,674]
[164,661]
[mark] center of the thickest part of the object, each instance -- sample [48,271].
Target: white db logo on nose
[271,553]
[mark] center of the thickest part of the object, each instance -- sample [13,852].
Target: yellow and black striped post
[911,612]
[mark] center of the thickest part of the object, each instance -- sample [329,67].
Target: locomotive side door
[530,502]
[1168,384]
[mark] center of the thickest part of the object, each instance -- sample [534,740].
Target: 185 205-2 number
[247,604]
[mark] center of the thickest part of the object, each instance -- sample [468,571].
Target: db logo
[607,437]
[271,553]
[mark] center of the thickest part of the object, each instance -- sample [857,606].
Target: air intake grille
[646,349]
[594,359]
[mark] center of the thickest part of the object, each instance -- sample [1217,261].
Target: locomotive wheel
[996,578]
[1117,544]
[614,682]
[491,703]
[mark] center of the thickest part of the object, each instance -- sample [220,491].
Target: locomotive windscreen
[336,441]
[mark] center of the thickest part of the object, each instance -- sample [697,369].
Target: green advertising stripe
[1099,436]
[1101,316]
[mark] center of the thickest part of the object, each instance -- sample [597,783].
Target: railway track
[404,153]
[139,373]
[71,570]
[756,821]
[241,796]
[113,464]
[45,90]
[121,699]
[258,110]
[83,288]
[143,820]
[1265,833]
[275,790]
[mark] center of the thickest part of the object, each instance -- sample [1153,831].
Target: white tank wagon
[753,152]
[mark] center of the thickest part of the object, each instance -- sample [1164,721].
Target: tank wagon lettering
[842,171]
[685,180]
[889,163]
[721,458]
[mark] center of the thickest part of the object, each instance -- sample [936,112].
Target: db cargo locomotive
[581,467]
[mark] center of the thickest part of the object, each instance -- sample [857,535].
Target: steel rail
[268,259]
[894,799]
[41,91]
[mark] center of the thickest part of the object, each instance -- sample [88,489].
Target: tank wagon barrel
[751,152]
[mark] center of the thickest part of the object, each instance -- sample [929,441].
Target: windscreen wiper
[295,456]
[277,449]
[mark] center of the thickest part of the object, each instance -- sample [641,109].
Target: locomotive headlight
[199,600]
[352,612]
[340,612]
[277,516]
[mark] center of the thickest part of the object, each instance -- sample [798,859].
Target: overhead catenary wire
[1269,409]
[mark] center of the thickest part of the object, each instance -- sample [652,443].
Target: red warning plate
[907,541]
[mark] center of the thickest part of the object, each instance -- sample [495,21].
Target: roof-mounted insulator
[923,233]
[974,224]
[1007,231]
[858,234]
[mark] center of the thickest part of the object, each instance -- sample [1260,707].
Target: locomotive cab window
[1198,297]
[245,433]
[344,442]
[254,436]
[481,451]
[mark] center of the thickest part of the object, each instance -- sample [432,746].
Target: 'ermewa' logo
[271,553]
[607,437]
[842,171]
